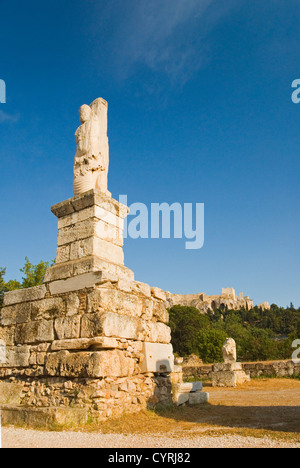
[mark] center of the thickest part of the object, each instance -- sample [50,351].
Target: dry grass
[259,408]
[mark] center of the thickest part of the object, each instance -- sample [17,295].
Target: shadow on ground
[271,404]
[279,418]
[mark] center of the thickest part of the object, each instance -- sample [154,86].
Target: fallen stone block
[198,398]
[187,387]
[180,398]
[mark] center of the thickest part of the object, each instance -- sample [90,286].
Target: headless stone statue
[229,373]
[92,154]
[229,351]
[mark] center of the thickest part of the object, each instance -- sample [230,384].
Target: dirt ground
[261,413]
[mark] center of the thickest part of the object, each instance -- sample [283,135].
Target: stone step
[187,387]
[43,418]
[196,398]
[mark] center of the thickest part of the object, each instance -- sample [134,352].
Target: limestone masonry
[91,342]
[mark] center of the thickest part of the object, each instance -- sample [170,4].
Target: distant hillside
[203,302]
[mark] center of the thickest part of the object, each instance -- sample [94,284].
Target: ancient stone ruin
[91,342]
[229,373]
[203,302]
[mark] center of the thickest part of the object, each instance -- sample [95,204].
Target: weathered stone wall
[277,368]
[85,348]
[254,369]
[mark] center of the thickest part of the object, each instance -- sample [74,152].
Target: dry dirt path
[21,438]
[262,413]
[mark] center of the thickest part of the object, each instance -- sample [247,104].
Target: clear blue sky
[200,110]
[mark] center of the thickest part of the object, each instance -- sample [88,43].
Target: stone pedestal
[91,338]
[229,375]
[190,394]
[90,237]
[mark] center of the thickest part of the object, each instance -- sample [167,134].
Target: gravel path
[21,438]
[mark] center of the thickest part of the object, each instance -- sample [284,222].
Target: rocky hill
[204,303]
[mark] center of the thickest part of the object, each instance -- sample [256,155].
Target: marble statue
[229,351]
[92,154]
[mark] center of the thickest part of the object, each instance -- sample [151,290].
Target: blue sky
[200,111]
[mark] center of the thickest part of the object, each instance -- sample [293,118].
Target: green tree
[259,334]
[2,285]
[185,323]
[34,274]
[6,286]
[210,342]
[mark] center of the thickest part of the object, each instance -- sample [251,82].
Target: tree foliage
[33,276]
[259,334]
[185,323]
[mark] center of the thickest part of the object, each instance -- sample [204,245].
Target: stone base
[47,401]
[229,375]
[189,393]
[111,400]
[199,398]
[92,342]
[44,418]
[90,236]
[90,337]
